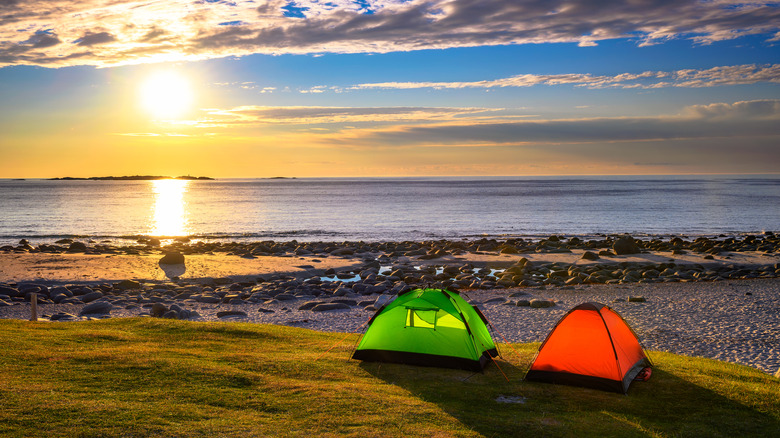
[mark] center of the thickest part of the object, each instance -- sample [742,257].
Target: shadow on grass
[670,404]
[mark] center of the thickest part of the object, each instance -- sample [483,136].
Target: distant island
[130,178]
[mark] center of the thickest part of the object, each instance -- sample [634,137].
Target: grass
[150,377]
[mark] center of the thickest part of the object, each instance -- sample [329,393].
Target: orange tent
[590,346]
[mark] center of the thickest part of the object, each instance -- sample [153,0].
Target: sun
[166,95]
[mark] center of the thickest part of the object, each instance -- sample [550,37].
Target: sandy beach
[722,304]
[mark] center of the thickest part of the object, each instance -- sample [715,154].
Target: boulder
[77,247]
[625,245]
[172,258]
[97,307]
[90,297]
[588,255]
[158,310]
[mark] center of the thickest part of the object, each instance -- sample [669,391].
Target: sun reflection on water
[170,217]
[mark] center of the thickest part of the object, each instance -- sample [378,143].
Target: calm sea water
[387,208]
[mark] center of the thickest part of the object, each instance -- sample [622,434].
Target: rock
[637,299]
[158,310]
[286,297]
[625,245]
[209,299]
[261,310]
[172,258]
[10,291]
[231,313]
[523,303]
[127,285]
[4,303]
[324,307]
[90,297]
[97,307]
[62,316]
[309,305]
[538,303]
[587,255]
[497,300]
[77,247]
[171,314]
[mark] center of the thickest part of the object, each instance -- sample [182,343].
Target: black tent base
[563,378]
[421,359]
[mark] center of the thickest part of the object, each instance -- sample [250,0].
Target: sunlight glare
[166,95]
[169,208]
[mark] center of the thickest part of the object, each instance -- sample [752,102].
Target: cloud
[740,120]
[188,30]
[755,109]
[264,115]
[90,38]
[716,76]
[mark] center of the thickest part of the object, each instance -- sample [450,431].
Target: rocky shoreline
[521,292]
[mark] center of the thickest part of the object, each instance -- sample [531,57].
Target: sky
[388,88]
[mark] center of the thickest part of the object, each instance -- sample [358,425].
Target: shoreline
[717,299]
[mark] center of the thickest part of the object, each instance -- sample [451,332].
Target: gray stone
[523,303]
[638,299]
[158,310]
[538,303]
[231,313]
[285,297]
[10,291]
[171,314]
[97,307]
[90,297]
[209,299]
[324,307]
[262,310]
[309,305]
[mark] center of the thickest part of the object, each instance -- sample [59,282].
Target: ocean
[375,209]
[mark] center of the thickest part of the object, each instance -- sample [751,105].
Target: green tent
[429,327]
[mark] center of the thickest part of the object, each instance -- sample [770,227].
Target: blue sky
[373,88]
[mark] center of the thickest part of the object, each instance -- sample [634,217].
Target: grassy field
[150,377]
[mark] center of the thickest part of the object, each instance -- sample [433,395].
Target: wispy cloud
[264,115]
[716,76]
[112,32]
[749,119]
